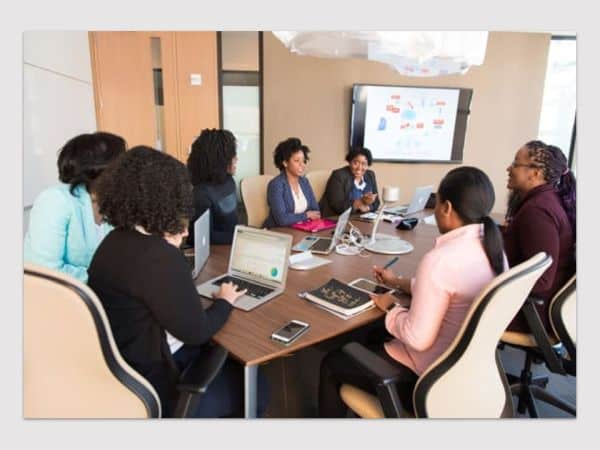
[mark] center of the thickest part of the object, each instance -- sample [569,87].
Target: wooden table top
[246,335]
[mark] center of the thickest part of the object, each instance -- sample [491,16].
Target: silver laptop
[418,202]
[201,242]
[258,262]
[324,245]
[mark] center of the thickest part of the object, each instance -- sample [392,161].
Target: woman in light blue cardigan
[289,195]
[64,227]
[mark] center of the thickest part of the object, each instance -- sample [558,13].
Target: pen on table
[390,262]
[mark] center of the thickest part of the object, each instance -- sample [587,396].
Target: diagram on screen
[403,123]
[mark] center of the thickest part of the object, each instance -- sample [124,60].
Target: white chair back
[467,380]
[72,367]
[254,196]
[318,181]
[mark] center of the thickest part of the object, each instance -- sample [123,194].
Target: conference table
[246,335]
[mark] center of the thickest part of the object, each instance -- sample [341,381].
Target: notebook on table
[339,298]
[312,226]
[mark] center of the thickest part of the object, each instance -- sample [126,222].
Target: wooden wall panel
[124,89]
[123,85]
[198,105]
[170,93]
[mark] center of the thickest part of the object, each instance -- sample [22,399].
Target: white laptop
[201,242]
[258,262]
[418,202]
[324,245]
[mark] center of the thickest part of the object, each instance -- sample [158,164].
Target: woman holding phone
[353,186]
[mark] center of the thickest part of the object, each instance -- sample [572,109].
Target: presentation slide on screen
[259,255]
[410,123]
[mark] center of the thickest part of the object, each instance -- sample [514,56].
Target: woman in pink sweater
[464,259]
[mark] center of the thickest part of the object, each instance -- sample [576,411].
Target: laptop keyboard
[254,290]
[321,245]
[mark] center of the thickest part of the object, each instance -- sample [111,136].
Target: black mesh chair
[557,351]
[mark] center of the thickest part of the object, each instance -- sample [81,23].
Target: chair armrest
[198,375]
[541,336]
[372,363]
[385,373]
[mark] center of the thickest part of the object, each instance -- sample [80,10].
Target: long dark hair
[211,155]
[553,163]
[472,196]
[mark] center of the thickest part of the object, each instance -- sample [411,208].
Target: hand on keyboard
[229,292]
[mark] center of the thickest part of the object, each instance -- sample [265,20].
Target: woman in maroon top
[541,217]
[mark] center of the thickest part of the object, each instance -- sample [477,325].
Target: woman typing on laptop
[144,281]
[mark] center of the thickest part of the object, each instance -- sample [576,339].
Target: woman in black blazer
[354,185]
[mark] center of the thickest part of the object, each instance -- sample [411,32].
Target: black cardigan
[146,288]
[336,198]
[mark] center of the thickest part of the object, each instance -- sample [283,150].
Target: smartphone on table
[370,287]
[290,331]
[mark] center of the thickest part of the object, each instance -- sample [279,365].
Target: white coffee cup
[391,194]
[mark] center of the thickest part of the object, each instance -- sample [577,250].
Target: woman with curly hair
[145,284]
[290,197]
[541,217]
[212,164]
[64,225]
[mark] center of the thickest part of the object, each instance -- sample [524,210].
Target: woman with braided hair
[541,217]
[212,164]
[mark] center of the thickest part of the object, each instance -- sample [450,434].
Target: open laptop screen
[259,255]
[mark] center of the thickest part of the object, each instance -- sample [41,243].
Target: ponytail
[472,195]
[493,245]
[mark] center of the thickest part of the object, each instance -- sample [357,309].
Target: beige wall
[239,50]
[309,98]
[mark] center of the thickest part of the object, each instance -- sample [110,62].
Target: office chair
[467,380]
[72,367]
[540,347]
[254,197]
[318,182]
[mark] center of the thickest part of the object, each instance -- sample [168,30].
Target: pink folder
[313,226]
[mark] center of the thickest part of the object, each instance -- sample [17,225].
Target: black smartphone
[407,224]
